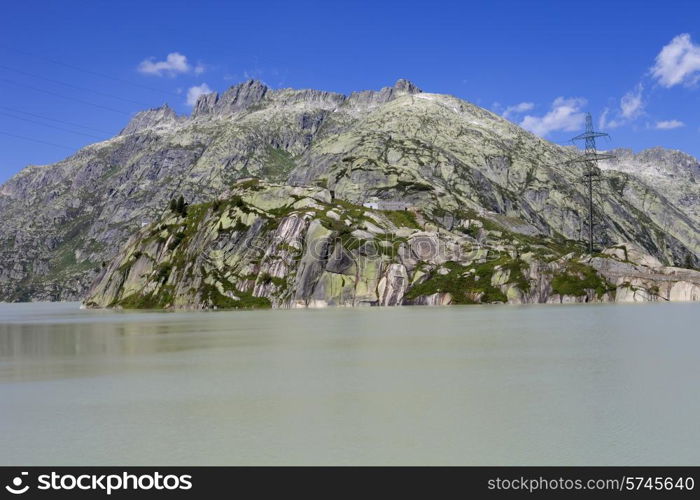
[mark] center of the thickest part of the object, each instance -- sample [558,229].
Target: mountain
[445,159]
[674,174]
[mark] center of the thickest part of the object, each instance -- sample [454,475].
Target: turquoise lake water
[485,385]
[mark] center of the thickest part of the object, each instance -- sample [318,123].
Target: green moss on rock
[462,284]
[402,218]
[577,279]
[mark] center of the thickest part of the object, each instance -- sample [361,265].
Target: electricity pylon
[590,159]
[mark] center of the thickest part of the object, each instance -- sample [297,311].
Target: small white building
[377,204]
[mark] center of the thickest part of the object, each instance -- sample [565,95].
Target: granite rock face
[674,174]
[458,167]
[266,245]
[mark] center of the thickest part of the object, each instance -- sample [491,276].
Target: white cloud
[632,104]
[565,114]
[175,63]
[631,107]
[193,93]
[669,124]
[604,121]
[678,62]
[517,109]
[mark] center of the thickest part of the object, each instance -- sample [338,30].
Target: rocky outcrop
[237,98]
[163,118]
[392,287]
[265,245]
[371,98]
[642,278]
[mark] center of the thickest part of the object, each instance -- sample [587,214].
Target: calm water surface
[591,384]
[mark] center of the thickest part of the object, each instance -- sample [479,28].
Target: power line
[14,110]
[50,126]
[84,89]
[36,140]
[24,85]
[88,71]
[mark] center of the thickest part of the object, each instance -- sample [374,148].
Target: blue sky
[72,73]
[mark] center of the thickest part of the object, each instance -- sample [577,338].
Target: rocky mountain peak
[371,98]
[205,104]
[241,96]
[150,118]
[655,162]
[236,98]
[407,86]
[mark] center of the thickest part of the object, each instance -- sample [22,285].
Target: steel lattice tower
[590,159]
